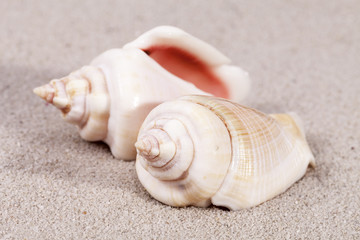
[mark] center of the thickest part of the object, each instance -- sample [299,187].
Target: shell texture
[199,150]
[109,99]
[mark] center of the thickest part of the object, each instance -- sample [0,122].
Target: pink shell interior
[188,67]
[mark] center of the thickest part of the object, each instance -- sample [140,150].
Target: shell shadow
[319,147]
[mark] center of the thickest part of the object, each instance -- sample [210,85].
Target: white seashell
[199,150]
[109,99]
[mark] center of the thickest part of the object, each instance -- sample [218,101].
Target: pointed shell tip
[139,145]
[46,92]
[39,91]
[147,148]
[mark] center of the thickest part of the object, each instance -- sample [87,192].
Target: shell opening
[188,67]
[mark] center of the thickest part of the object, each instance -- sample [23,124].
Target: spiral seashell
[109,99]
[199,150]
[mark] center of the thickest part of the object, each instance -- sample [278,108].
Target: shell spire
[156,147]
[147,149]
[46,92]
[159,153]
[82,98]
[55,93]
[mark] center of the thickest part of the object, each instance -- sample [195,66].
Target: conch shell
[109,99]
[199,150]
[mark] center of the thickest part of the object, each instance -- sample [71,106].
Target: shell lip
[193,60]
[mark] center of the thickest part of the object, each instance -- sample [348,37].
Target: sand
[302,56]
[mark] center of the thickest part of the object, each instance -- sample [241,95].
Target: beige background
[303,56]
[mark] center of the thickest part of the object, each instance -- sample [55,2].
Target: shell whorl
[83,99]
[166,149]
[242,157]
[196,179]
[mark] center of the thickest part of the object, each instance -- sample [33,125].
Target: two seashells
[193,150]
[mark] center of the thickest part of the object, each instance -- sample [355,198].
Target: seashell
[199,150]
[109,99]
